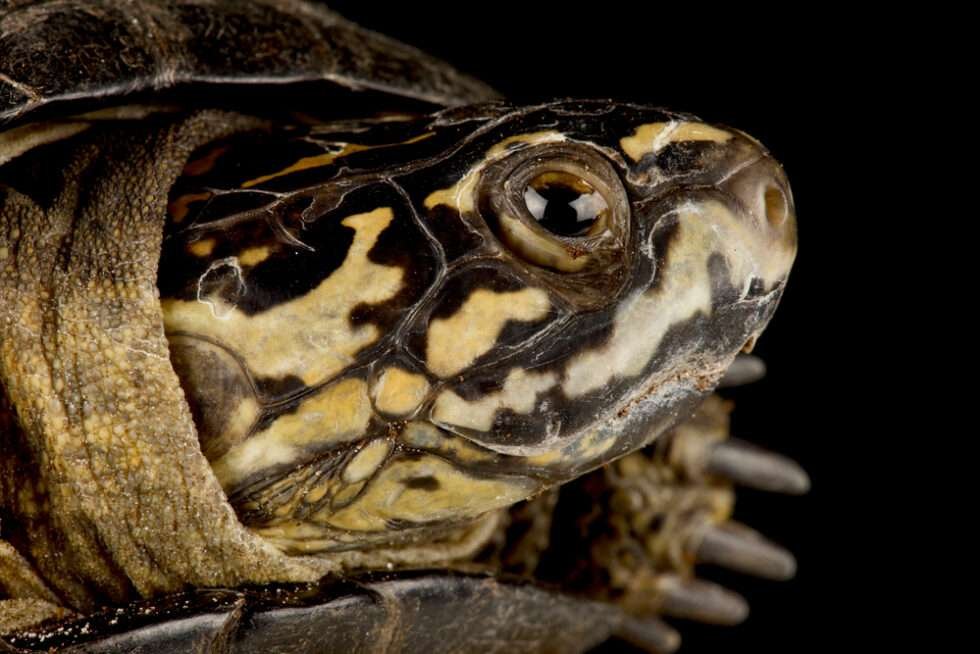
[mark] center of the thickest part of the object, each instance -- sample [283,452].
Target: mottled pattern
[400,281]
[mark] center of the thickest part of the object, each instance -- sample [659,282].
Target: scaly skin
[111,469]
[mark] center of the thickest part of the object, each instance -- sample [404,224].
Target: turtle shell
[422,611]
[92,52]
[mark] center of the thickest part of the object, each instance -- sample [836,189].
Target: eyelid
[512,215]
[539,249]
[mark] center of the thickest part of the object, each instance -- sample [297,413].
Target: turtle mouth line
[633,422]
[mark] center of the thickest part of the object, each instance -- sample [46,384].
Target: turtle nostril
[776,209]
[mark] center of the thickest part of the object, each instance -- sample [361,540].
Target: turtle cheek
[485,312]
[716,255]
[712,274]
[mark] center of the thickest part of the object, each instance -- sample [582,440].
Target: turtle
[310,342]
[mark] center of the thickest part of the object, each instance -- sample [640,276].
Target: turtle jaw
[723,256]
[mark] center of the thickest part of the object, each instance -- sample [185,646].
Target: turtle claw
[649,634]
[752,466]
[739,548]
[702,449]
[699,600]
[745,369]
[635,532]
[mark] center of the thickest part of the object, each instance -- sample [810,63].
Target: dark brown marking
[290,270]
[215,386]
[456,237]
[402,245]
[422,483]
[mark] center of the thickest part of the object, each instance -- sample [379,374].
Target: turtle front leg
[109,490]
[633,532]
[671,510]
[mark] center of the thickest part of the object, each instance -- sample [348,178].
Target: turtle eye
[565,204]
[559,206]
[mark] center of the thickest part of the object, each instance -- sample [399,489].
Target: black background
[800,84]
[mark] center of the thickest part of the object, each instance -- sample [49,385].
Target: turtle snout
[761,190]
[761,245]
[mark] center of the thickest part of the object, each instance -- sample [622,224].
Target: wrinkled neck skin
[109,494]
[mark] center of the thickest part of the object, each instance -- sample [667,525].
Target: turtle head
[414,322]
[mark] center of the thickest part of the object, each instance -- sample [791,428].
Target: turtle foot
[636,532]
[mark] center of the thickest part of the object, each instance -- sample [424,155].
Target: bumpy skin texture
[109,464]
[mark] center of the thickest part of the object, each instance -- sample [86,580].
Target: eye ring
[571,239]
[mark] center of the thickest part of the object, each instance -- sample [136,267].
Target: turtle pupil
[563,204]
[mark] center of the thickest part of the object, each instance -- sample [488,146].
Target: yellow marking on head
[202,248]
[346,494]
[205,163]
[282,498]
[337,414]
[425,436]
[399,392]
[308,162]
[179,208]
[366,461]
[461,195]
[454,343]
[450,494]
[531,138]
[329,157]
[318,492]
[309,336]
[653,137]
[241,420]
[519,394]
[752,249]
[17,141]
[254,256]
[589,447]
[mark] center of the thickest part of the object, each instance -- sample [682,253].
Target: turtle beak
[761,250]
[762,191]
